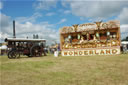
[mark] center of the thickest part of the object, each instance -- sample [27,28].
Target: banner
[91,52]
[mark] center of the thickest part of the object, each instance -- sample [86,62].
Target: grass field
[86,70]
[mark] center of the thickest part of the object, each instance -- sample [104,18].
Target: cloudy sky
[45,17]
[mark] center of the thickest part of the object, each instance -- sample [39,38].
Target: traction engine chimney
[14,34]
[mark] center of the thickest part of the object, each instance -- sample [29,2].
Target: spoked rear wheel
[13,54]
[36,51]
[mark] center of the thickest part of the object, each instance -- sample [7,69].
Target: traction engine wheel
[13,54]
[36,51]
[9,54]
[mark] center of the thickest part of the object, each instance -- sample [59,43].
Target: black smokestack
[14,34]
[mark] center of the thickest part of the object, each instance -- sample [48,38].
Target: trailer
[99,38]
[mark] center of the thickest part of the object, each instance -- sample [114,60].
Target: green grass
[78,70]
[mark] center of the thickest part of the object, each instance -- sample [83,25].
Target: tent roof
[124,42]
[3,47]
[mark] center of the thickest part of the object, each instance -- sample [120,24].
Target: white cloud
[1,5]
[30,19]
[124,30]
[62,21]
[27,29]
[67,12]
[5,22]
[123,17]
[3,36]
[96,9]
[50,14]
[64,3]
[45,4]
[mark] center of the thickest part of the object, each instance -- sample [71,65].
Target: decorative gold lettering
[65,53]
[108,51]
[75,53]
[96,52]
[102,52]
[70,53]
[85,52]
[114,51]
[91,52]
[80,52]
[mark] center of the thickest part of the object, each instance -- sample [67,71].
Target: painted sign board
[84,52]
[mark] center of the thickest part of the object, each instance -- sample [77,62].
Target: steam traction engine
[29,47]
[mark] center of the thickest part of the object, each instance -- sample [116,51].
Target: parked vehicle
[22,46]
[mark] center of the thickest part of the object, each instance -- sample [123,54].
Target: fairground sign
[98,38]
[91,52]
